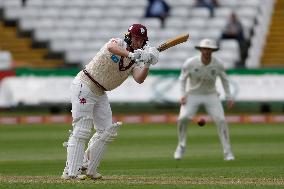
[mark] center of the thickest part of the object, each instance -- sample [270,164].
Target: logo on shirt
[142,30]
[213,72]
[82,101]
[115,58]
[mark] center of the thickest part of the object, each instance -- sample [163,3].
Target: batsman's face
[136,42]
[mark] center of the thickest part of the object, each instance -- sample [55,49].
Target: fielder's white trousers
[211,102]
[214,108]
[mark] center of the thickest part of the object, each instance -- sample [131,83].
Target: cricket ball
[201,122]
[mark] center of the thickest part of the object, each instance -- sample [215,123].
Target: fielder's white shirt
[198,78]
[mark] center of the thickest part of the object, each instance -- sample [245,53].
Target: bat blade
[173,42]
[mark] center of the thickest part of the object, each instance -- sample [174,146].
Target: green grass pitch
[32,156]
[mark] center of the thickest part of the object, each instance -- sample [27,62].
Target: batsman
[111,66]
[198,78]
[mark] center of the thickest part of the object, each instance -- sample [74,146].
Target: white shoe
[179,152]
[65,174]
[66,177]
[229,157]
[90,177]
[82,177]
[83,170]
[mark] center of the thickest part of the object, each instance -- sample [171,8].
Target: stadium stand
[260,32]
[78,28]
[273,50]
[23,53]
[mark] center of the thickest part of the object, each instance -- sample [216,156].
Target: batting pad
[97,148]
[87,152]
[76,145]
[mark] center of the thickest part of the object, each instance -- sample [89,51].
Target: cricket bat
[173,42]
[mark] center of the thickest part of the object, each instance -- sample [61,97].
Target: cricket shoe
[65,175]
[84,176]
[179,152]
[83,170]
[96,176]
[229,157]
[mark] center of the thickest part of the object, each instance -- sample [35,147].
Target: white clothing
[95,107]
[91,108]
[105,69]
[198,85]
[211,103]
[201,79]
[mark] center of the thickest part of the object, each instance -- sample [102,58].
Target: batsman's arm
[140,74]
[113,47]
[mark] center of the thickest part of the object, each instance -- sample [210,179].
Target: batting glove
[145,56]
[154,55]
[135,55]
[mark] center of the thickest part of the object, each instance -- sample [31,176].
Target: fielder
[111,66]
[198,78]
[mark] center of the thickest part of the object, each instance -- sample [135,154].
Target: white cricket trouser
[214,108]
[88,111]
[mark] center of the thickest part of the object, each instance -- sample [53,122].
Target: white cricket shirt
[198,78]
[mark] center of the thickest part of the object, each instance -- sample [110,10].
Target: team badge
[82,101]
[115,58]
[213,72]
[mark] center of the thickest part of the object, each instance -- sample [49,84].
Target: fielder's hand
[183,100]
[230,104]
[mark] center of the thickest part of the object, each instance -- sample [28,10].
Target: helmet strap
[127,39]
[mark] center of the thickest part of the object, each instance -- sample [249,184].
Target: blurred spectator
[210,4]
[234,30]
[158,9]
[265,108]
[24,2]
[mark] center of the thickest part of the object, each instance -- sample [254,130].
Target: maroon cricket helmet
[138,30]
